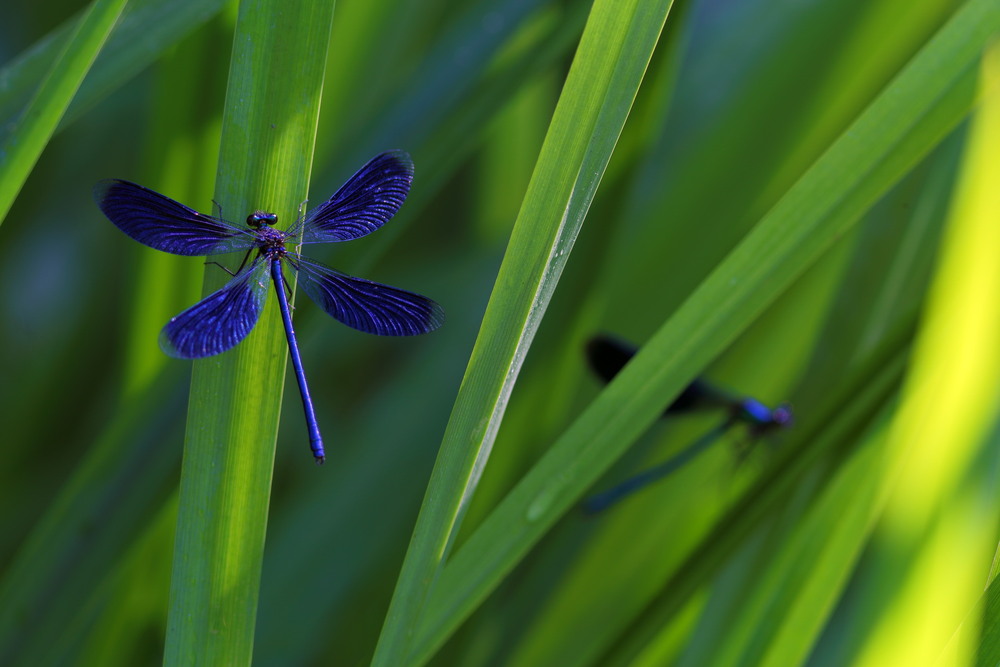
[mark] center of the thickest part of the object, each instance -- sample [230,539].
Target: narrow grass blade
[775,613]
[145,30]
[180,159]
[939,471]
[611,59]
[847,414]
[124,462]
[37,123]
[442,81]
[930,96]
[43,590]
[988,653]
[439,137]
[128,597]
[268,138]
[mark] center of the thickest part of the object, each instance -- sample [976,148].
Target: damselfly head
[259,218]
[782,415]
[760,416]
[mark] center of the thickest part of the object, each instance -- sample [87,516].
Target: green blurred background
[739,100]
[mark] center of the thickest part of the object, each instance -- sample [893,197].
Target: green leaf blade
[40,118]
[611,60]
[268,138]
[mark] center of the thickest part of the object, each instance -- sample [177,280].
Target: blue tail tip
[594,505]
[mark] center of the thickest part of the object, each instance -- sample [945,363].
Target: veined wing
[365,305]
[366,202]
[164,224]
[220,320]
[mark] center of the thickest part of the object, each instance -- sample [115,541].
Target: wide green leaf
[268,138]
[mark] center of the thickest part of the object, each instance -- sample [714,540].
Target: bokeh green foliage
[782,558]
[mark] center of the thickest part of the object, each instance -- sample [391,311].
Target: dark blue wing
[608,355]
[220,320]
[163,224]
[366,202]
[365,305]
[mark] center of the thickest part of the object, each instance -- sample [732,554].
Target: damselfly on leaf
[608,355]
[221,320]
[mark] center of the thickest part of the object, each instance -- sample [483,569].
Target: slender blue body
[315,439]
[607,356]
[605,499]
[222,319]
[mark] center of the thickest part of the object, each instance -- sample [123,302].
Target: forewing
[368,306]
[220,320]
[366,202]
[167,225]
[608,355]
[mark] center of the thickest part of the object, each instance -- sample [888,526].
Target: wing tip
[102,189]
[168,347]
[399,156]
[435,318]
